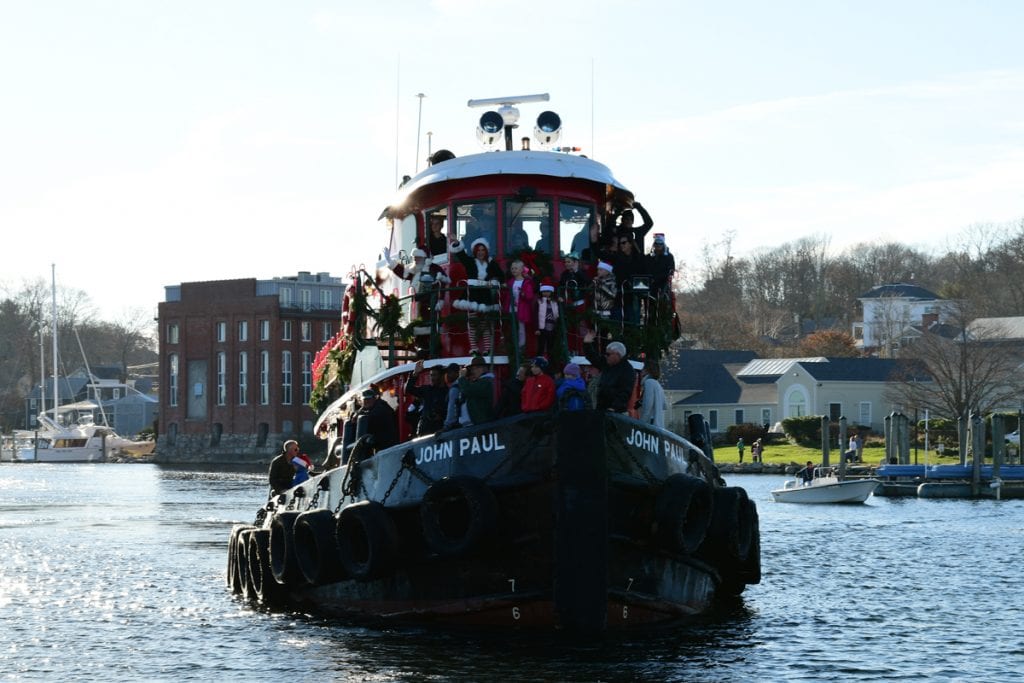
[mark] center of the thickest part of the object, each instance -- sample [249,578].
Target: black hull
[580,521]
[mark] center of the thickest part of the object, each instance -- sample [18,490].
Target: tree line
[26,346]
[773,299]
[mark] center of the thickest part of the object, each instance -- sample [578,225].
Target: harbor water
[116,572]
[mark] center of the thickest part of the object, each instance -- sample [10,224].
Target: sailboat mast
[53,312]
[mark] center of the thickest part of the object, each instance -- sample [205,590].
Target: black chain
[314,500]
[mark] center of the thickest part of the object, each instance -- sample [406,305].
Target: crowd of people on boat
[606,272]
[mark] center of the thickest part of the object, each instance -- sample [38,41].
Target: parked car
[1014,438]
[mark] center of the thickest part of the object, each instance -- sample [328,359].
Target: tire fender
[316,548]
[367,540]
[457,513]
[682,512]
[283,563]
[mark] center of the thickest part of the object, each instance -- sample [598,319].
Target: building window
[864,414]
[835,411]
[713,420]
[306,299]
[286,330]
[243,378]
[285,297]
[222,378]
[325,299]
[325,332]
[307,376]
[243,330]
[307,330]
[264,377]
[172,333]
[222,331]
[286,378]
[172,384]
[766,417]
[264,330]
[739,417]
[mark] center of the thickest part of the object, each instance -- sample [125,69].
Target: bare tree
[973,371]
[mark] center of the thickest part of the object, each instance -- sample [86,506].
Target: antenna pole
[419,122]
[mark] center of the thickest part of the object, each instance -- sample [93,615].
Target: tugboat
[580,520]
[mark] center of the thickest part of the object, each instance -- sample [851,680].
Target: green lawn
[786,453]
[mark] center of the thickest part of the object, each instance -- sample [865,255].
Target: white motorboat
[84,441]
[825,487]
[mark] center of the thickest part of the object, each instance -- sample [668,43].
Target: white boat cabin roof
[554,164]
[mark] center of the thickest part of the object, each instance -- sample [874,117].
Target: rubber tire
[682,512]
[748,571]
[246,589]
[316,547]
[233,578]
[729,535]
[267,590]
[457,513]
[283,563]
[367,540]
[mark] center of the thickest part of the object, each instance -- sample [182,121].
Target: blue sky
[167,142]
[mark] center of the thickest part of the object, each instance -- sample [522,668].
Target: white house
[895,313]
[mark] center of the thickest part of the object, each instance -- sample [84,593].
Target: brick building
[235,364]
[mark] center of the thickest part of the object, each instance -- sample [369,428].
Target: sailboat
[81,441]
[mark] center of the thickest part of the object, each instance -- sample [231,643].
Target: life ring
[456,514]
[261,577]
[729,534]
[367,540]
[243,578]
[283,563]
[316,549]
[682,513]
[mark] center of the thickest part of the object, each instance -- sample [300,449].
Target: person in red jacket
[539,388]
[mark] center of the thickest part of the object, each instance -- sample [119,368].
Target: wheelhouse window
[574,227]
[527,226]
[477,219]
